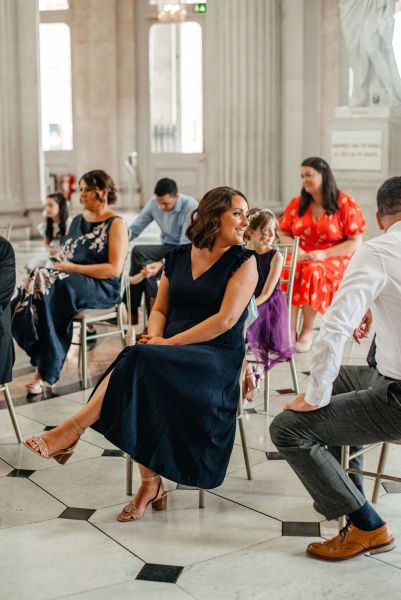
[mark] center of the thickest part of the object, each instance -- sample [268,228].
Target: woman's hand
[64,265]
[314,255]
[158,341]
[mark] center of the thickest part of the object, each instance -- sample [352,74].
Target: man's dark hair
[166,186]
[389,197]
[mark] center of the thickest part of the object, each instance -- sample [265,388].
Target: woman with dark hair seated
[330,225]
[170,402]
[86,274]
[52,229]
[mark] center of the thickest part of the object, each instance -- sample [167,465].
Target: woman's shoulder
[346,200]
[242,253]
[174,254]
[239,255]
[294,202]
[179,250]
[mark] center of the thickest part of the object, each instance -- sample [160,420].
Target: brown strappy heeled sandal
[131,513]
[61,456]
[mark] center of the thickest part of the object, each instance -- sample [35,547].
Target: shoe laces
[343,532]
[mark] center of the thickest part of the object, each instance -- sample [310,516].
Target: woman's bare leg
[294,319]
[65,434]
[309,315]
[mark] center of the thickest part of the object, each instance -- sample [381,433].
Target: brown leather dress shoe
[351,542]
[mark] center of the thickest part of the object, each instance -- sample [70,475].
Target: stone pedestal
[363,147]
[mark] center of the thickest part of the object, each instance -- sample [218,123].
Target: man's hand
[152,269]
[300,405]
[314,255]
[363,329]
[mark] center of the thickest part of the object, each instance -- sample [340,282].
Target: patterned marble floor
[59,537]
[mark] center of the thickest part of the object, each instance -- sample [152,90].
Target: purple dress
[268,337]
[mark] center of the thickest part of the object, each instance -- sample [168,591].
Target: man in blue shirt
[172,212]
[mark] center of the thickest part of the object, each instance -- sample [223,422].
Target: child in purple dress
[268,337]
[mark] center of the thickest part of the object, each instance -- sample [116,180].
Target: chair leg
[294,375]
[120,324]
[245,448]
[201,498]
[266,393]
[380,469]
[128,477]
[84,355]
[13,416]
[345,465]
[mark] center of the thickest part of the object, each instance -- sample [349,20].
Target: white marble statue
[368,27]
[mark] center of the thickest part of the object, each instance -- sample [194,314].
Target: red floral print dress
[316,282]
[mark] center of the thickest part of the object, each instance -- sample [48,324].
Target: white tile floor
[232,549]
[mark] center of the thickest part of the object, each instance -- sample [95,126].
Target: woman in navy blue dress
[86,274]
[171,401]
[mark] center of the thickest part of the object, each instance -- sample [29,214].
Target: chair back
[288,272]
[5,231]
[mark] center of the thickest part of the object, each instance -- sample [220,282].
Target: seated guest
[330,225]
[268,336]
[85,274]
[171,401]
[53,228]
[7,279]
[171,211]
[351,405]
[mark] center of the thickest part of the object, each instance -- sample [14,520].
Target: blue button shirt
[173,224]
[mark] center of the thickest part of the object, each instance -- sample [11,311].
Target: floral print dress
[316,282]
[45,304]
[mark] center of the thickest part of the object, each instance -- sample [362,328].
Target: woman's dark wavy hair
[330,190]
[205,220]
[61,200]
[100,180]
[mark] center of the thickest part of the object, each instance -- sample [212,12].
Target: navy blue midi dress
[47,301]
[173,408]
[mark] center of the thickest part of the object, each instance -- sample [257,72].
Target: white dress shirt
[372,280]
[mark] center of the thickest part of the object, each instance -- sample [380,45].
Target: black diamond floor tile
[250,411]
[392,487]
[113,453]
[20,473]
[302,529]
[49,427]
[274,456]
[306,373]
[162,573]
[286,391]
[78,514]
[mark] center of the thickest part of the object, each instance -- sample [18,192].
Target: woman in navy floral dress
[86,274]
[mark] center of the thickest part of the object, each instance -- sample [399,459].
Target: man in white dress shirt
[351,405]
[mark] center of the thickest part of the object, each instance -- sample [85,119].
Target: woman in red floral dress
[330,225]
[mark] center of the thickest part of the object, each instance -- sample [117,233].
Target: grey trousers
[140,256]
[365,408]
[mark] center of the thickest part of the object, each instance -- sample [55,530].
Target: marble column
[21,164]
[242,97]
